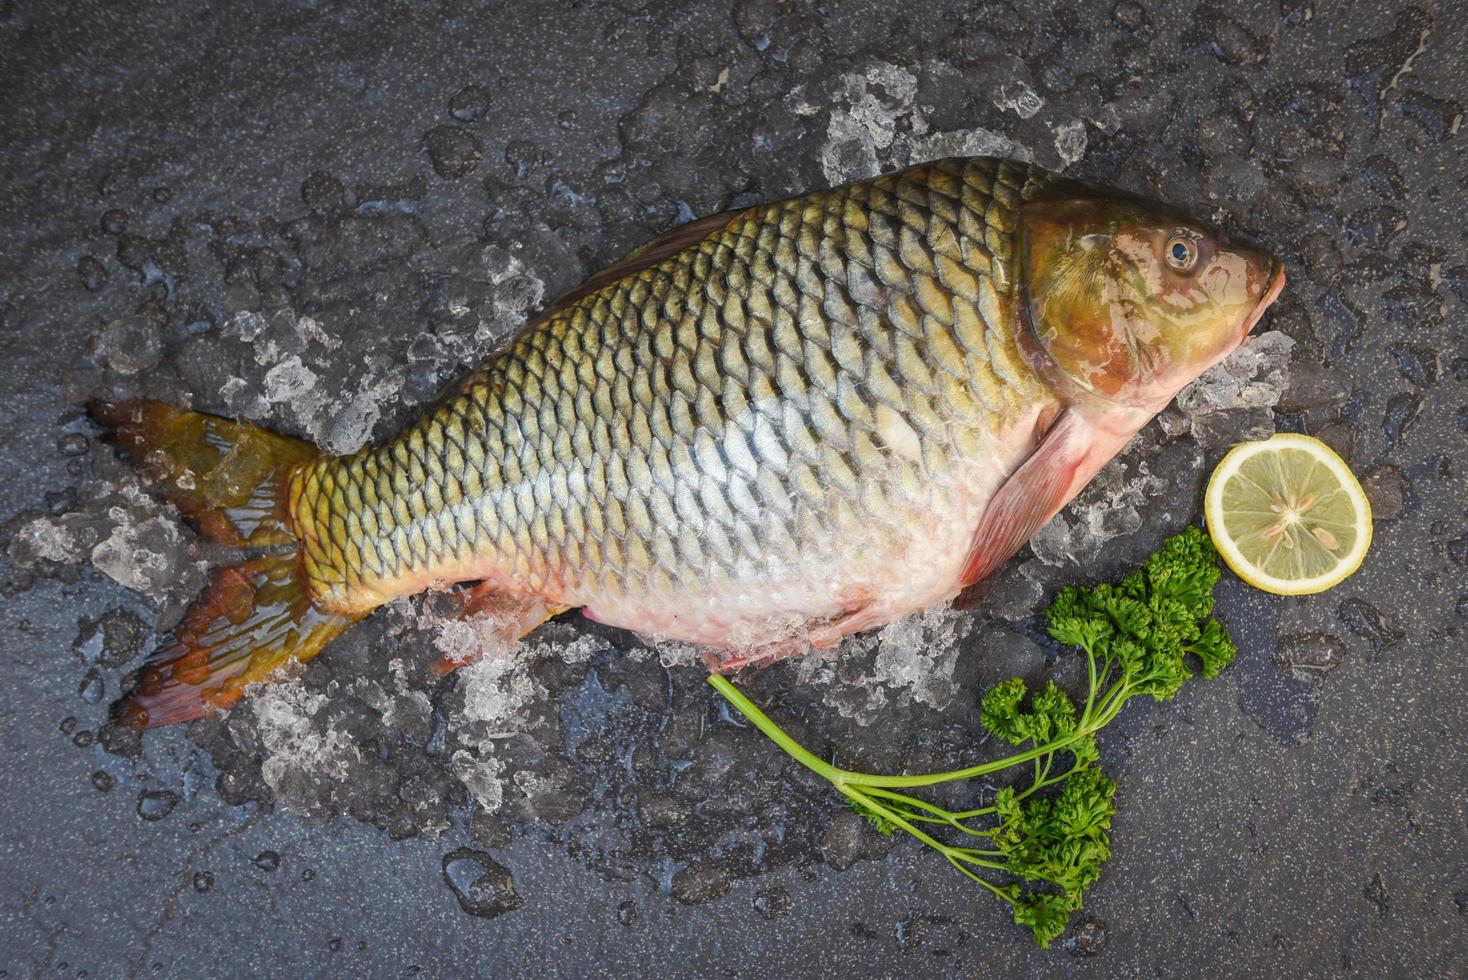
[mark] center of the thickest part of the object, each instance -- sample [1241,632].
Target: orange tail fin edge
[229,479]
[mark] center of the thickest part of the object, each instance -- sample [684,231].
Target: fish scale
[769,408]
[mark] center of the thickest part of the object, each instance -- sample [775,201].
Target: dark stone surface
[317,214]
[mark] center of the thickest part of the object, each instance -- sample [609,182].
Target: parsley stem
[939,815]
[773,731]
[870,803]
[842,777]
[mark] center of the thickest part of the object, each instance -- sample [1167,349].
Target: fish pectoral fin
[1043,484]
[503,615]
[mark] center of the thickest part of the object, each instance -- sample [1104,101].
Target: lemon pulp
[1287,515]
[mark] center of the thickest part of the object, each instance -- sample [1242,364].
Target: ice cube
[1018,95]
[146,557]
[129,345]
[1070,140]
[302,750]
[44,540]
[1253,376]
[247,325]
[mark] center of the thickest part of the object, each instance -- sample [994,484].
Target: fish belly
[851,577]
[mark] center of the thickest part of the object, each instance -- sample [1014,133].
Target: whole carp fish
[763,431]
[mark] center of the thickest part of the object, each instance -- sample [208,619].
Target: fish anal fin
[500,617]
[1061,464]
[860,611]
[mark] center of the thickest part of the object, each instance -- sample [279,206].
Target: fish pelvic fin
[500,620]
[231,481]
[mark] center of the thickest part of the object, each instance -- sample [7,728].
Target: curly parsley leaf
[1047,834]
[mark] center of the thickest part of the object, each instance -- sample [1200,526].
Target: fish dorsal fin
[1063,462]
[670,242]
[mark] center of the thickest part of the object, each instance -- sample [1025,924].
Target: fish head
[1128,301]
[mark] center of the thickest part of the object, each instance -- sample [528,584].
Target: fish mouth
[1276,284]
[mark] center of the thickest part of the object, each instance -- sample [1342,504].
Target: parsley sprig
[1040,844]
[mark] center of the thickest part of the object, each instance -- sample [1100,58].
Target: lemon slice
[1288,515]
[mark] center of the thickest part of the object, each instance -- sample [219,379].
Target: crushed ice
[141,556]
[46,540]
[909,661]
[876,120]
[298,750]
[499,694]
[1109,507]
[1255,375]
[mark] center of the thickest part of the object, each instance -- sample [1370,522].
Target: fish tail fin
[231,480]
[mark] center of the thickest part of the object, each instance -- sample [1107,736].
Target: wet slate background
[316,214]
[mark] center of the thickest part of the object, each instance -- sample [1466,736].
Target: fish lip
[1276,284]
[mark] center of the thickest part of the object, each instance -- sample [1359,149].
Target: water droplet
[324,192]
[1318,652]
[627,913]
[469,103]
[1376,893]
[1132,16]
[1401,411]
[72,444]
[93,273]
[128,345]
[483,886]
[702,881]
[203,881]
[103,780]
[1088,938]
[114,222]
[453,152]
[155,804]
[267,860]
[1367,622]
[523,155]
[772,903]
[1386,488]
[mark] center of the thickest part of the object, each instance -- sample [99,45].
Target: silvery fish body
[789,426]
[765,430]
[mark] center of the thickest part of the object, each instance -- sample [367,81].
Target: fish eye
[1181,252]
